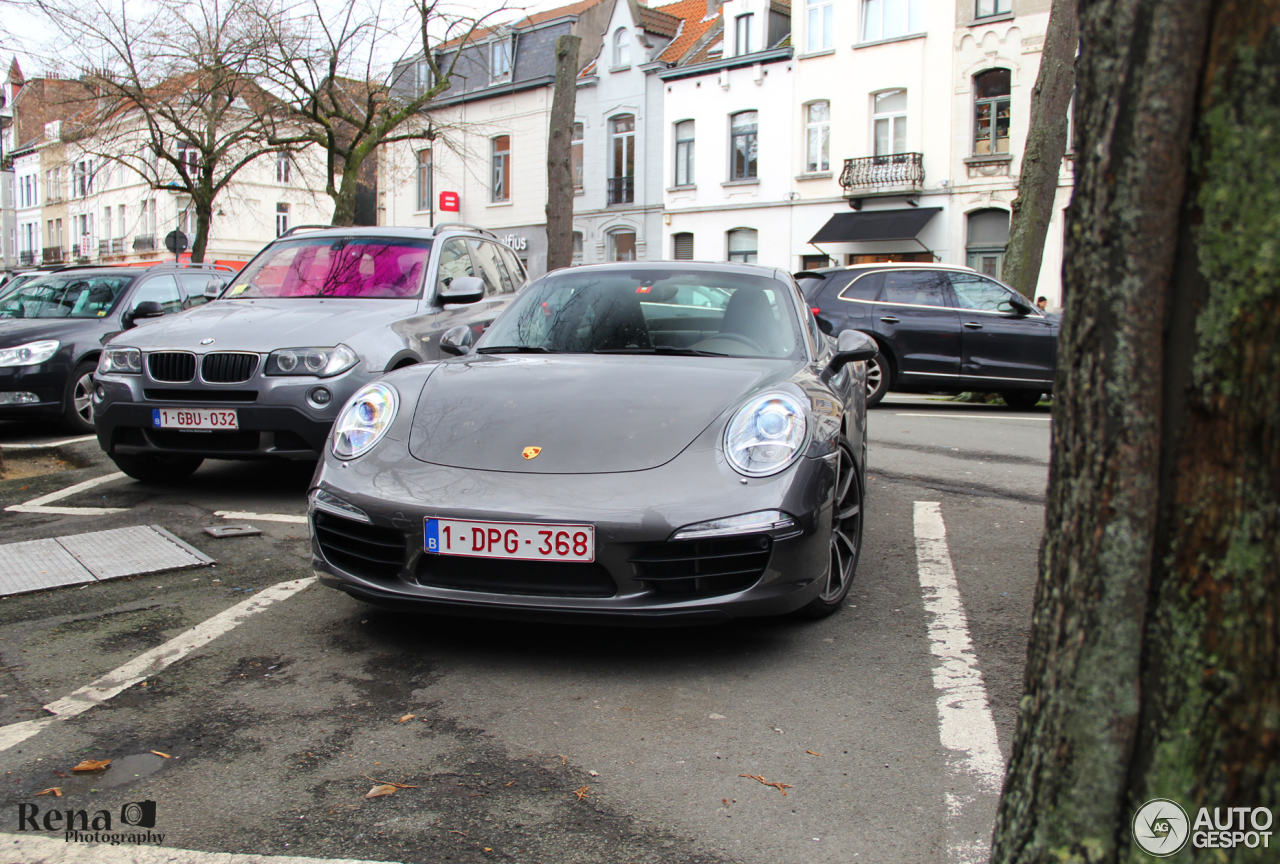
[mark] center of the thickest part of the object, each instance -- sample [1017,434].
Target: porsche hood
[582,414]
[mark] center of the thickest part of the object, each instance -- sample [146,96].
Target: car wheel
[150,468]
[77,403]
[1020,399]
[878,376]
[846,539]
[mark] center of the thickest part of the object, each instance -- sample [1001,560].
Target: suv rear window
[376,268]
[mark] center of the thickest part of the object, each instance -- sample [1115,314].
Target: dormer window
[500,60]
[621,47]
[742,35]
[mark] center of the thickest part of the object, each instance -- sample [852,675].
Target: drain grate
[36,565]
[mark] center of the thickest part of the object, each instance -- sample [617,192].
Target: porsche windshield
[650,311]
[372,267]
[65,297]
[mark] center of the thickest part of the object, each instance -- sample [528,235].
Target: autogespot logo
[1160,827]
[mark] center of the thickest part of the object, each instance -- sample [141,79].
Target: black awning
[873,225]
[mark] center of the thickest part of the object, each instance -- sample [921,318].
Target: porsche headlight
[115,361]
[766,435]
[364,420]
[321,362]
[31,354]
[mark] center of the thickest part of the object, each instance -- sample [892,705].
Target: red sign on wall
[449,201]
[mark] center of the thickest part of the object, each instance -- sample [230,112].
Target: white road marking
[977,416]
[48,445]
[965,724]
[261,517]
[47,850]
[152,661]
[41,504]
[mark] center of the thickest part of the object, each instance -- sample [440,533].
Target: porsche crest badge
[530,452]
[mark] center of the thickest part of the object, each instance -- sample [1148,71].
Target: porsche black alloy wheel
[846,538]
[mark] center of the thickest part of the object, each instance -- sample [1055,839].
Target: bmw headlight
[320,362]
[364,420]
[116,361]
[766,435]
[31,354]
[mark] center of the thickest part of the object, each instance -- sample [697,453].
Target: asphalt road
[527,742]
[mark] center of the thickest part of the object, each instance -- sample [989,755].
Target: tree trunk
[1046,145]
[1154,670]
[204,219]
[344,198]
[560,156]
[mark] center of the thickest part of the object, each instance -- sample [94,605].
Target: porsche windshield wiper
[515,349]
[661,349]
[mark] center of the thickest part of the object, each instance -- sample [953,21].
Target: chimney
[713,6]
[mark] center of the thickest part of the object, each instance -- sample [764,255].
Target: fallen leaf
[781,787]
[388,782]
[811,753]
[463,833]
[91,765]
[487,849]
[582,793]
[60,774]
[406,718]
[162,755]
[384,789]
[52,790]
[512,783]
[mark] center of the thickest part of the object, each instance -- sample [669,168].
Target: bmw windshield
[657,310]
[353,267]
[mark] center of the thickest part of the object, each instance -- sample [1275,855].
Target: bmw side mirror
[457,340]
[145,309]
[462,289]
[213,290]
[852,345]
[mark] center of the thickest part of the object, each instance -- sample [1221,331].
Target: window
[502,168]
[622,158]
[577,246]
[423,171]
[81,184]
[421,77]
[188,155]
[889,122]
[284,169]
[575,156]
[742,245]
[886,19]
[819,26]
[500,60]
[988,234]
[106,223]
[123,228]
[991,112]
[682,246]
[817,137]
[743,146]
[987,8]
[492,270]
[162,289]
[915,287]
[975,292]
[454,263]
[684,153]
[742,35]
[621,47]
[282,218]
[514,267]
[813,262]
[622,245]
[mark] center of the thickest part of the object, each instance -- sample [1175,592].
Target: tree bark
[204,220]
[1154,670]
[560,156]
[1046,145]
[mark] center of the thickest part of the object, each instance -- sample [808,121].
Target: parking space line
[261,517]
[966,726]
[152,661]
[46,850]
[41,504]
[48,445]
[978,416]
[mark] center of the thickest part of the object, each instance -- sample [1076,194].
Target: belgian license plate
[527,541]
[194,418]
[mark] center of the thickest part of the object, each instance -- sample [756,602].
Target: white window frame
[284,168]
[621,48]
[500,170]
[990,8]
[422,180]
[890,19]
[817,137]
[894,120]
[501,60]
[576,135]
[742,34]
[282,218]
[685,153]
[744,256]
[820,25]
[752,136]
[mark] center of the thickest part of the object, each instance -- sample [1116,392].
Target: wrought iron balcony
[622,190]
[104,248]
[897,173]
[144,243]
[54,256]
[26,257]
[117,246]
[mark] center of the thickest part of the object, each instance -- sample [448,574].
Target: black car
[939,328]
[52,330]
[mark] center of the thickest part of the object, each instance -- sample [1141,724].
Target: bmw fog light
[319,397]
[322,500]
[775,522]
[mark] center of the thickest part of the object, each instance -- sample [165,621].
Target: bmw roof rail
[290,231]
[443,225]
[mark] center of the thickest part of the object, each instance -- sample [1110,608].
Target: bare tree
[560,156]
[1154,666]
[179,103]
[341,92]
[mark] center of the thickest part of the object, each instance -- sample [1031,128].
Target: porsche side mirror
[145,309]
[462,289]
[457,340]
[850,346]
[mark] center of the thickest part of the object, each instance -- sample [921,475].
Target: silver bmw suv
[262,371]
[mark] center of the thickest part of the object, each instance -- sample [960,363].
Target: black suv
[52,330]
[940,328]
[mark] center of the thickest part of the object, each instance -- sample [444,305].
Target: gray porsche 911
[662,442]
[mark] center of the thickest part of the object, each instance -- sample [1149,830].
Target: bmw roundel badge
[206,341]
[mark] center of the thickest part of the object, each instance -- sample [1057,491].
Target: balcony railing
[54,256]
[117,246]
[104,248]
[622,190]
[26,257]
[871,174]
[144,243]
